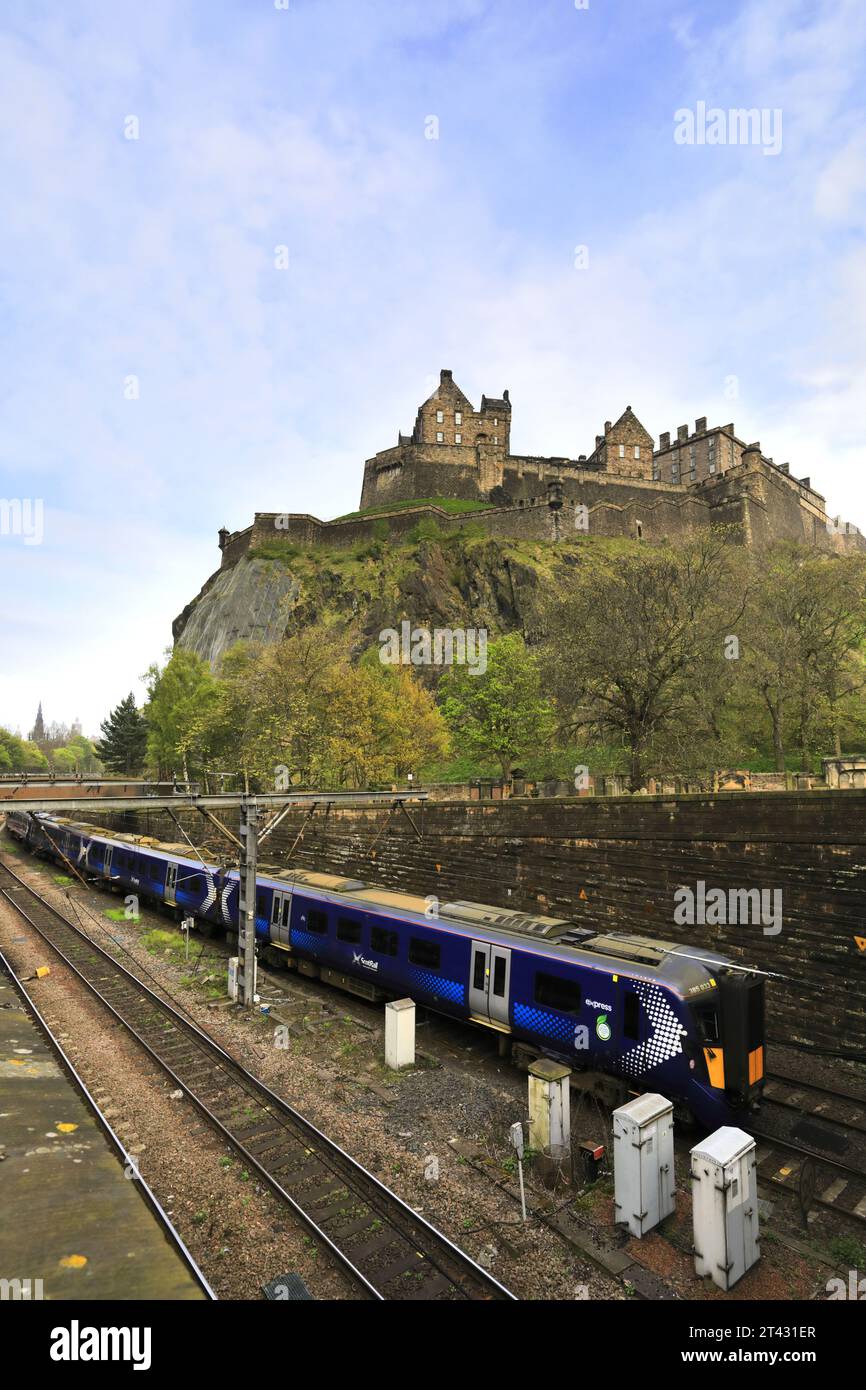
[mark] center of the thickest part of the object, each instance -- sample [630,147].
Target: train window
[708,1023]
[260,906]
[385,942]
[287,903]
[499,976]
[423,952]
[630,1015]
[558,993]
[478,970]
[317,921]
[347,930]
[194,885]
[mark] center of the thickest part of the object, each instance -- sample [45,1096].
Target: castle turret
[454,450]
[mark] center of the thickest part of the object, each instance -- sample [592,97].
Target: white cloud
[264,389]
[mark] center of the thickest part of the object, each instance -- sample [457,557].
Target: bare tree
[629,648]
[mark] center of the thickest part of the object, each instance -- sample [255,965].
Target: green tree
[804,629]
[123,746]
[502,712]
[84,752]
[18,755]
[298,711]
[63,760]
[77,755]
[179,712]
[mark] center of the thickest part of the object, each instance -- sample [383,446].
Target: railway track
[840,1108]
[386,1247]
[817,1137]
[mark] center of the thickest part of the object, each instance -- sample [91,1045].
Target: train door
[170,883]
[106,866]
[489,981]
[280,912]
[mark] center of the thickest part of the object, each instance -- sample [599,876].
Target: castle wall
[758,500]
[406,472]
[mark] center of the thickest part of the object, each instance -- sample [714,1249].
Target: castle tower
[448,417]
[625,448]
[444,417]
[454,450]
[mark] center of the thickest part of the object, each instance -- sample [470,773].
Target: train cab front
[729,1039]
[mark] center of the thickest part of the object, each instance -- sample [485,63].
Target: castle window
[657,472]
[458,438]
[440,438]
[496,422]
[637,451]
[496,439]
[440,417]
[458,417]
[675,472]
[622,451]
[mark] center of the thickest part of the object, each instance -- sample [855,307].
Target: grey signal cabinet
[643,1162]
[725,1206]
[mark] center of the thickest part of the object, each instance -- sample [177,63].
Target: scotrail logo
[713,907]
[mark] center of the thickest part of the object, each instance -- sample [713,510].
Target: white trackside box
[725,1206]
[643,1162]
[400,1034]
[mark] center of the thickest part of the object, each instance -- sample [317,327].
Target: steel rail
[397,1214]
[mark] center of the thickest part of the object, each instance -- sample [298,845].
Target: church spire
[38,734]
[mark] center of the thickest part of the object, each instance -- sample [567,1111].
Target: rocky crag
[454,581]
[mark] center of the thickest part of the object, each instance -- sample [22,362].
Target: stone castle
[625,487]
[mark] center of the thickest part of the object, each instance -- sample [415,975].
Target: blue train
[639,1014]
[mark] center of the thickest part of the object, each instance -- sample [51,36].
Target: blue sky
[304,127]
